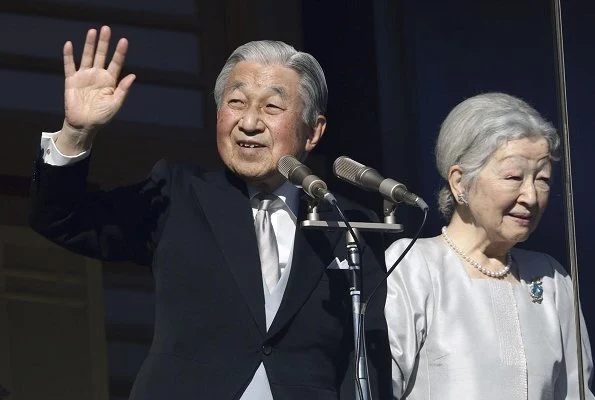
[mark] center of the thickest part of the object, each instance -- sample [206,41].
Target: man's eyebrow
[277,89]
[280,90]
[236,85]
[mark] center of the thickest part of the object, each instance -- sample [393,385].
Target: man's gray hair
[476,128]
[313,90]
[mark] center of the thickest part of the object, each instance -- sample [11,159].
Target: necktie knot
[265,201]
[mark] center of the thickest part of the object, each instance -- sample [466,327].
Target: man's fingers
[69,67]
[102,47]
[123,87]
[115,66]
[89,49]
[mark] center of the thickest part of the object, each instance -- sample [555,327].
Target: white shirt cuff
[52,156]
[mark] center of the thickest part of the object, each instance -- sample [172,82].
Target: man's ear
[315,133]
[455,175]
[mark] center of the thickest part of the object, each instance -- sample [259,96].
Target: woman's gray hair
[312,90]
[476,128]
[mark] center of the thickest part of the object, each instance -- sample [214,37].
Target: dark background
[394,80]
[394,70]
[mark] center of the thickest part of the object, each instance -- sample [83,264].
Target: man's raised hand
[92,94]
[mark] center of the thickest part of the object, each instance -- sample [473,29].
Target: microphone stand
[362,386]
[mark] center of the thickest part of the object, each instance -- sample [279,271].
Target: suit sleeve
[117,225]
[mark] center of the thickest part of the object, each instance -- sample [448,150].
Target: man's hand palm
[90,99]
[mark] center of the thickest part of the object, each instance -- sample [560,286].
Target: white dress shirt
[51,154]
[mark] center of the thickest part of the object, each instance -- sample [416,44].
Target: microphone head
[347,169]
[286,164]
[360,175]
[301,176]
[293,170]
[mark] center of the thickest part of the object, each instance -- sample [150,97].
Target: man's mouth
[249,145]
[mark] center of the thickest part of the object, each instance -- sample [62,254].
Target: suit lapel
[225,203]
[226,206]
[313,250]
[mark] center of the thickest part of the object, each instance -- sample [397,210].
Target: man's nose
[251,121]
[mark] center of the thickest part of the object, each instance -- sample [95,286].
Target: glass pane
[125,359]
[143,304]
[163,105]
[149,48]
[145,104]
[175,7]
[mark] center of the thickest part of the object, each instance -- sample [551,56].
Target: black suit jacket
[196,230]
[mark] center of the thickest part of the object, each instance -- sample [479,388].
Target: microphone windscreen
[286,164]
[348,169]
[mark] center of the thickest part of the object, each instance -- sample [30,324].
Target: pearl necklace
[499,274]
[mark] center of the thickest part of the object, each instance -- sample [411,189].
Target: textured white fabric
[454,337]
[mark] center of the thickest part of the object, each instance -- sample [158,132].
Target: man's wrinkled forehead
[279,90]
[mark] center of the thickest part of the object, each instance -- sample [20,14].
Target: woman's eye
[514,177]
[543,183]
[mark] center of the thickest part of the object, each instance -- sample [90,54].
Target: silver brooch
[536,290]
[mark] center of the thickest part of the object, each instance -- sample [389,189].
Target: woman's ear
[455,175]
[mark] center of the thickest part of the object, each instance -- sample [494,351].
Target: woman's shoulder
[421,242]
[426,250]
[421,246]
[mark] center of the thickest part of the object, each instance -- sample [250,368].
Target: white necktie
[267,243]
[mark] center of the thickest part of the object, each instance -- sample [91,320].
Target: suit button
[267,350]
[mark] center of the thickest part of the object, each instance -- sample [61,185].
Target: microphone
[369,179]
[302,177]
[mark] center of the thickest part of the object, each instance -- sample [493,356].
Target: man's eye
[273,109]
[236,104]
[544,179]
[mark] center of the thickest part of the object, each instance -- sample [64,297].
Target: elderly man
[229,323]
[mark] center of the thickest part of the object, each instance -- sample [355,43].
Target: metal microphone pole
[362,386]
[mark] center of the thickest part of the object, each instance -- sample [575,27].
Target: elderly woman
[470,316]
